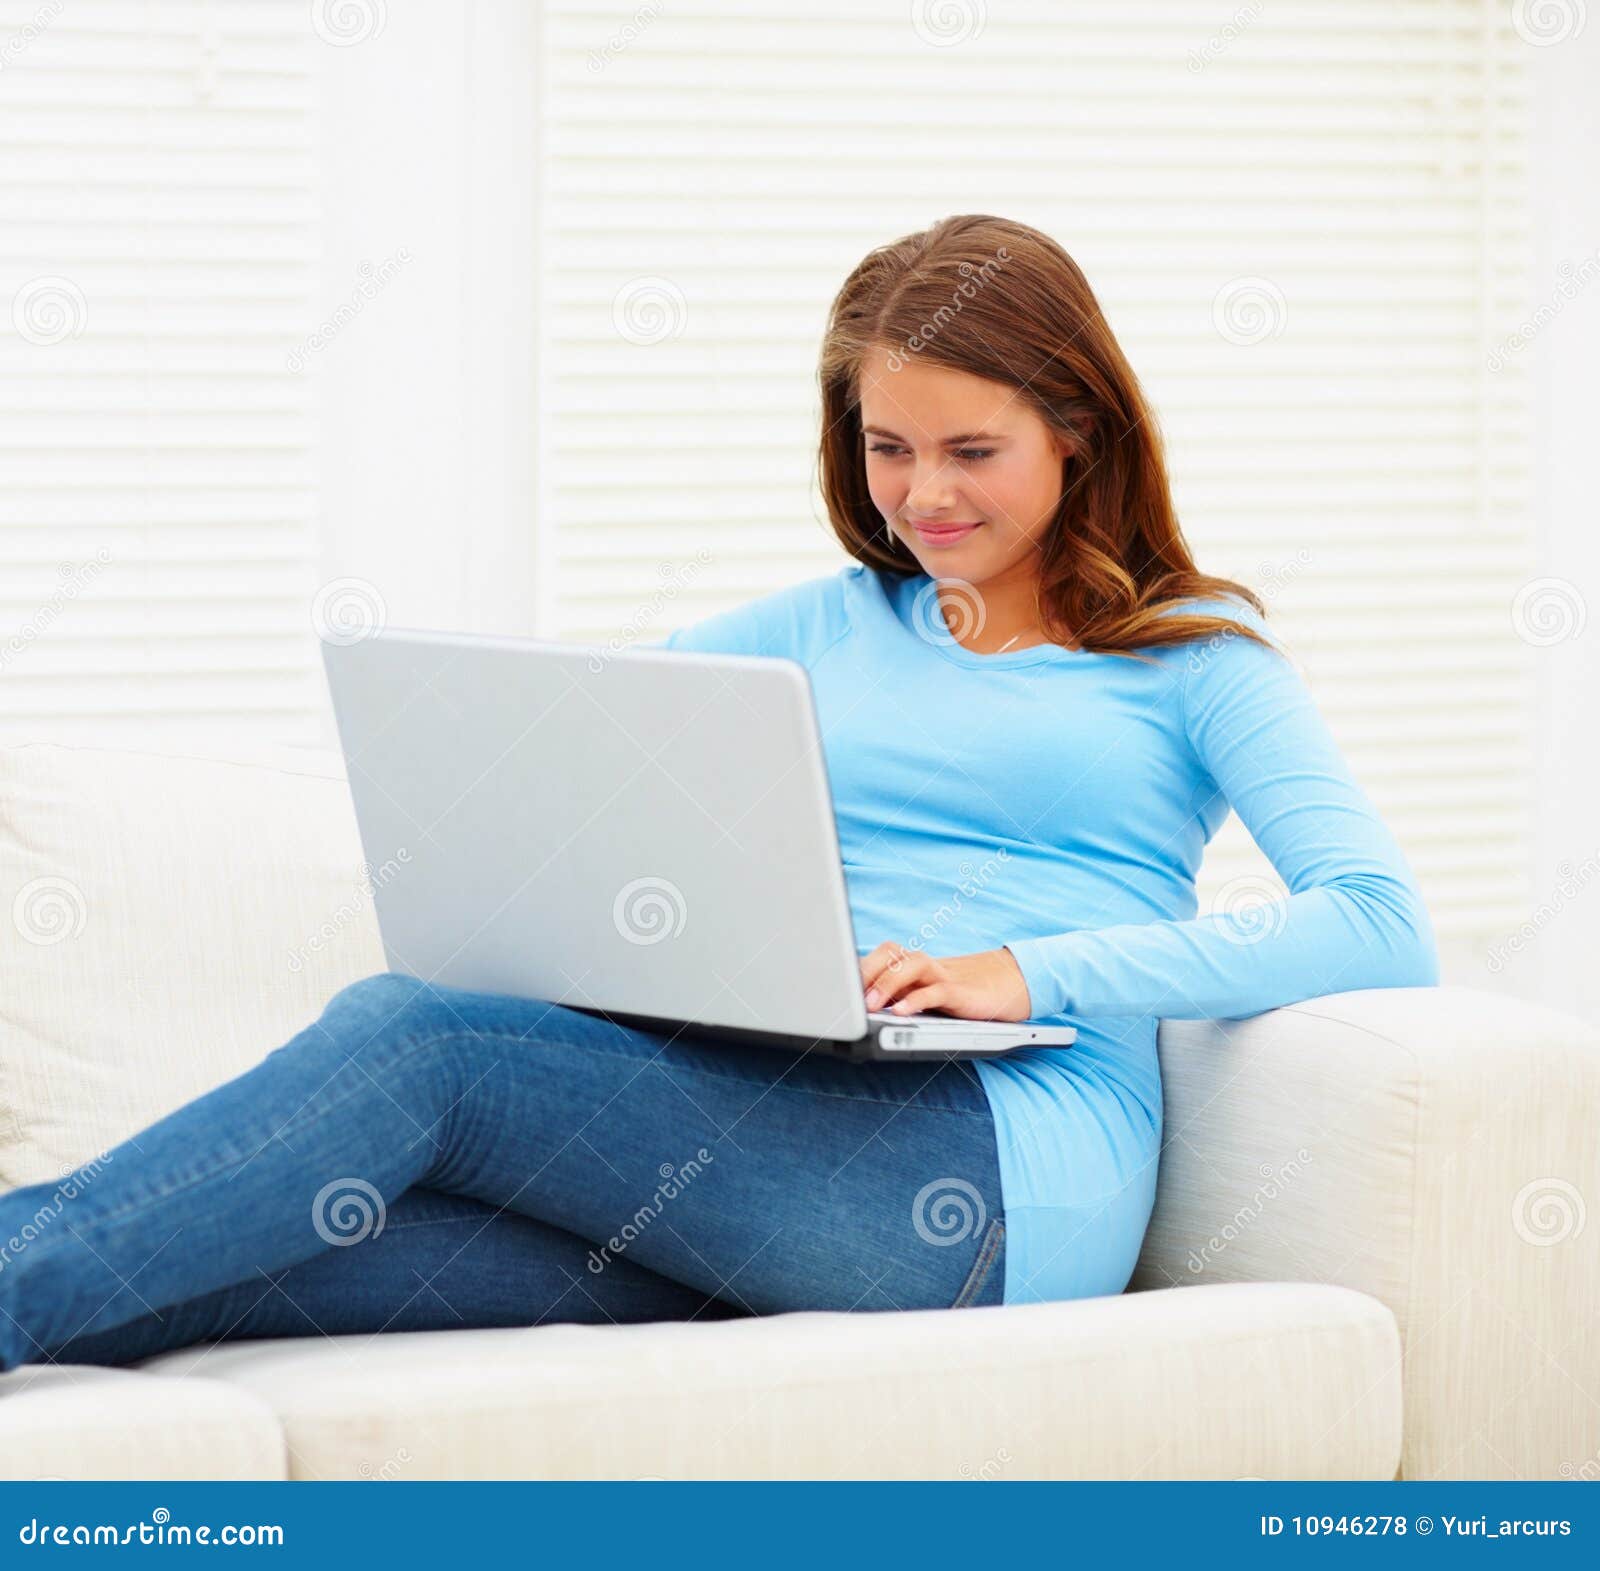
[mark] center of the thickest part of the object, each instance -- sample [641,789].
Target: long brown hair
[1002,301]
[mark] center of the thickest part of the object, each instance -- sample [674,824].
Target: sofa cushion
[1279,1380]
[74,1421]
[165,922]
[1433,1147]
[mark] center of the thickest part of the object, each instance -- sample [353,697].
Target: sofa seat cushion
[78,1421]
[1284,1380]
[169,920]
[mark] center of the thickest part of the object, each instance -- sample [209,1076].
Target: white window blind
[1305,223]
[158,243]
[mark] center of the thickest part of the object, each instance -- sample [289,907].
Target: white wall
[1562,961]
[428,432]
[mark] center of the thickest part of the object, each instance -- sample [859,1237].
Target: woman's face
[945,448]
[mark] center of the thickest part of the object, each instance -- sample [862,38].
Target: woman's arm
[1354,918]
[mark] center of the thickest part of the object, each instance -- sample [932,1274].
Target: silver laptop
[646,834]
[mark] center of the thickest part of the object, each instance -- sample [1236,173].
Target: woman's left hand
[986,986]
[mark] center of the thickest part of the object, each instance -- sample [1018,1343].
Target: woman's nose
[931,490]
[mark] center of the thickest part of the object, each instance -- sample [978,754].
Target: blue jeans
[424,1157]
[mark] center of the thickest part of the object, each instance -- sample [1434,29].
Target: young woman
[1036,712]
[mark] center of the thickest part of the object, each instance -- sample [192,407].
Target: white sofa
[1369,1255]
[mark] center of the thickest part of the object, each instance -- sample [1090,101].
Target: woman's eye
[968,455]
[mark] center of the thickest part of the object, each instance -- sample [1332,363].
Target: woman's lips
[943,534]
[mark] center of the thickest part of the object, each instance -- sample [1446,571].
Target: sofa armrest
[1433,1147]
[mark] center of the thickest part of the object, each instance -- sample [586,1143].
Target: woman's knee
[391,1012]
[378,1000]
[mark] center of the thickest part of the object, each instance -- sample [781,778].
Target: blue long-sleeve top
[1057,802]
